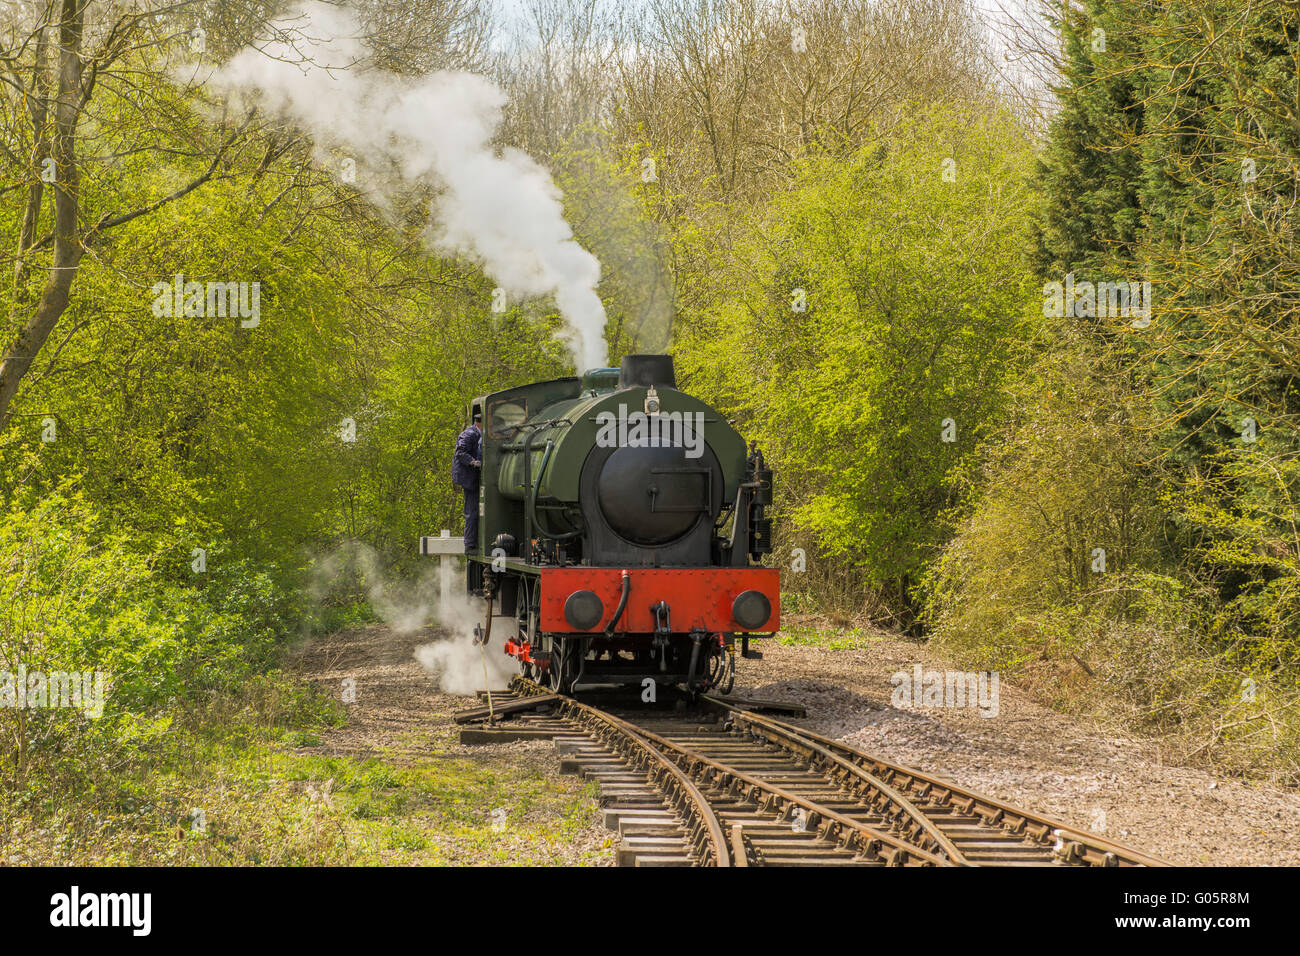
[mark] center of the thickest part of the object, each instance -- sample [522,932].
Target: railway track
[721,785]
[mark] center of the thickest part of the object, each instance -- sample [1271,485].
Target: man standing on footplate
[466,469]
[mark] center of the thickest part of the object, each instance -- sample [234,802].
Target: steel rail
[850,774]
[831,825]
[907,799]
[703,827]
[1071,845]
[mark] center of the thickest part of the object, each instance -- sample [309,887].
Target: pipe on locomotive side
[622,603]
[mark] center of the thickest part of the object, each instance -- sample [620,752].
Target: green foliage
[1062,508]
[1090,182]
[78,598]
[608,201]
[1173,445]
[1244,517]
[867,306]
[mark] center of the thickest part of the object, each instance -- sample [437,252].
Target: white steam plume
[498,207]
[407,606]
[456,662]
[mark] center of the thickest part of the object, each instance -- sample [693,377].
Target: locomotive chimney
[646,371]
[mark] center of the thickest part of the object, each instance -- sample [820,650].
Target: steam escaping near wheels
[457,663]
[407,607]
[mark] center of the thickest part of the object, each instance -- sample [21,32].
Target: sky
[515,11]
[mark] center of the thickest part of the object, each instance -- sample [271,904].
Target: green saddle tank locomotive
[620,525]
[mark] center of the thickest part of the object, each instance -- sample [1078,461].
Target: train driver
[466,466]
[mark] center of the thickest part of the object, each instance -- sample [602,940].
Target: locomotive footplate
[609,626]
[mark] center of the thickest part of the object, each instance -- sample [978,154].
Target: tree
[104,56]
[868,329]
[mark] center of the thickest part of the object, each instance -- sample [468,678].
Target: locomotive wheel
[563,667]
[552,666]
[559,667]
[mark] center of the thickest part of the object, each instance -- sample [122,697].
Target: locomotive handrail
[739,529]
[530,493]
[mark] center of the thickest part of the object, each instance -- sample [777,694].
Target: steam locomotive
[620,519]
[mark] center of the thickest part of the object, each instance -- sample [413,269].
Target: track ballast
[717,784]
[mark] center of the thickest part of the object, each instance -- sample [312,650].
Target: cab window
[505,417]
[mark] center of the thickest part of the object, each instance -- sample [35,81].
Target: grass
[243,792]
[829,637]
